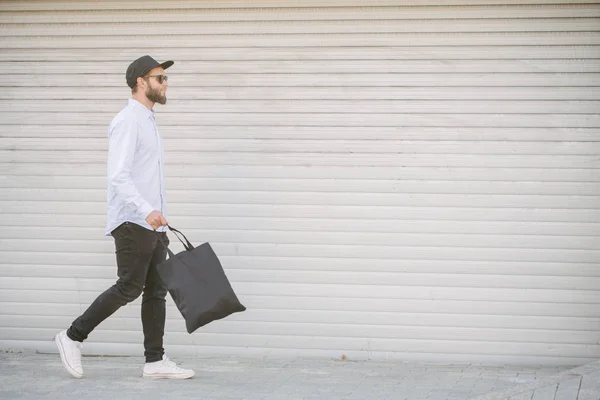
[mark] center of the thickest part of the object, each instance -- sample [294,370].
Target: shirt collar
[140,108]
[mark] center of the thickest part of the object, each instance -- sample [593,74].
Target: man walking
[136,208]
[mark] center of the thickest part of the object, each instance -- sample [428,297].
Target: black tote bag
[198,285]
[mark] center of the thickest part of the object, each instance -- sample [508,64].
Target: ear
[140,81]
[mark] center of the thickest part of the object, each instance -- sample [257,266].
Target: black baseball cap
[141,67]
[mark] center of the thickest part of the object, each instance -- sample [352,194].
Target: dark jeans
[138,253]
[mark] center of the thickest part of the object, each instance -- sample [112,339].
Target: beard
[155,96]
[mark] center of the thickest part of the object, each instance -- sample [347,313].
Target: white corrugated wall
[412,180]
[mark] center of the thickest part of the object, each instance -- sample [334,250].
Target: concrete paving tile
[523,396]
[591,381]
[545,393]
[568,389]
[585,394]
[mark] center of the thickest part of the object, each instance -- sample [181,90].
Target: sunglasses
[160,78]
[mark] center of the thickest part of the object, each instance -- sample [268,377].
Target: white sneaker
[166,369]
[70,354]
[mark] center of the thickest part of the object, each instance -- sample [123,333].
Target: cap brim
[166,64]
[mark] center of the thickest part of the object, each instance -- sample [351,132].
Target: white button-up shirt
[135,168]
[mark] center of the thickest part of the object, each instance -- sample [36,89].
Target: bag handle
[188,246]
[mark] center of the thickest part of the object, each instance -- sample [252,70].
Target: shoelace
[172,364]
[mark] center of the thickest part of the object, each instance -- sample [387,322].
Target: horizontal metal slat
[318,106]
[343,345]
[338,317]
[263,132]
[181,94]
[345,304]
[323,198]
[93,48]
[316,66]
[374,278]
[283,13]
[588,297]
[180,211]
[82,240]
[324,80]
[175,171]
[314,146]
[104,266]
[96,252]
[472,41]
[306,26]
[335,330]
[184,159]
[38,5]
[296,184]
[458,226]
[89,120]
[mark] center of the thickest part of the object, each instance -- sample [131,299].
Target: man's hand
[155,219]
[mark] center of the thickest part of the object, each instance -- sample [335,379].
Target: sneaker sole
[168,376]
[61,350]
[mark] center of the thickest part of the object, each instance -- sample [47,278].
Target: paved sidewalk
[582,383]
[41,376]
